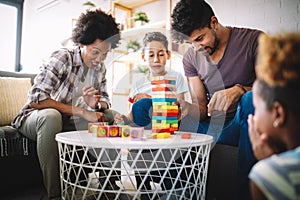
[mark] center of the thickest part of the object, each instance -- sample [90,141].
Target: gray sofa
[20,167]
[18,159]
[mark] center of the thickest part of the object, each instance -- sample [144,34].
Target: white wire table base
[136,173]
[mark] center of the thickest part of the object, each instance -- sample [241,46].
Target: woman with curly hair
[69,91]
[274,127]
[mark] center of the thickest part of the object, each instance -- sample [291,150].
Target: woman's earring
[275,124]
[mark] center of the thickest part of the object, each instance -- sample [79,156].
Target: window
[10,40]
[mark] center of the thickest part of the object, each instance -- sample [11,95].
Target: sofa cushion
[13,93]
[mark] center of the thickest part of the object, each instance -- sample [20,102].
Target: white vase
[139,23]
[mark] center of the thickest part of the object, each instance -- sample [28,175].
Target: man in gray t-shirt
[220,69]
[221,76]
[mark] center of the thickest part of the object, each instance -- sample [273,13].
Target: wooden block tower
[165,115]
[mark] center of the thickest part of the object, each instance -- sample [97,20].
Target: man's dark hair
[155,36]
[96,24]
[189,15]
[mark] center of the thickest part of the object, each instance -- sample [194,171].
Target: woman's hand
[92,116]
[260,141]
[91,96]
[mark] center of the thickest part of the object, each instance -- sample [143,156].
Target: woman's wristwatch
[99,106]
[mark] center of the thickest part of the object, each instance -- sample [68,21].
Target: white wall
[43,32]
[271,16]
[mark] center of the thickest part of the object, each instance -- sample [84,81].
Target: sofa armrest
[17,75]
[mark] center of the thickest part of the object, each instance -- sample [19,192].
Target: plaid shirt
[58,79]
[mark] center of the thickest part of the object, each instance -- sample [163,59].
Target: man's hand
[91,96]
[183,108]
[223,99]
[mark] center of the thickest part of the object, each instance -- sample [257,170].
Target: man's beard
[213,49]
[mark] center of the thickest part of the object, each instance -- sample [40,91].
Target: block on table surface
[102,131]
[95,124]
[113,131]
[136,133]
[162,135]
[125,131]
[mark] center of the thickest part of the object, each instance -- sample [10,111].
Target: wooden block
[164,99]
[95,124]
[160,126]
[161,103]
[102,131]
[186,135]
[125,131]
[165,118]
[113,131]
[136,133]
[154,95]
[168,114]
[162,135]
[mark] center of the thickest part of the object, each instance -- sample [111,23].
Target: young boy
[155,53]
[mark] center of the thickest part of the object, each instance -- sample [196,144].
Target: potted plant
[141,17]
[144,69]
[133,46]
[89,4]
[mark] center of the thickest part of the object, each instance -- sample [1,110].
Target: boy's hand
[119,119]
[140,96]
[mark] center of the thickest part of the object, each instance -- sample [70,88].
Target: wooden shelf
[132,4]
[126,7]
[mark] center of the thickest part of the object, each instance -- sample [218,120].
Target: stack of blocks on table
[102,129]
[165,114]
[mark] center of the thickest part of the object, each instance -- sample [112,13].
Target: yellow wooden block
[160,125]
[162,135]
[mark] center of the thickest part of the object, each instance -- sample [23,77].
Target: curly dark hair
[155,36]
[96,24]
[189,15]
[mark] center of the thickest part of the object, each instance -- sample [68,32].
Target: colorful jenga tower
[165,115]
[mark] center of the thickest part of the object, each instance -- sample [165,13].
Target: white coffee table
[109,168]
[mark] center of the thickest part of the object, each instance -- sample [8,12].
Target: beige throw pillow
[13,96]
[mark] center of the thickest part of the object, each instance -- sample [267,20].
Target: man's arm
[197,109]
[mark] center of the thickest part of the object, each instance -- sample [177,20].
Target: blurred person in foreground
[274,127]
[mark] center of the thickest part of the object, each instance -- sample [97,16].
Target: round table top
[83,138]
